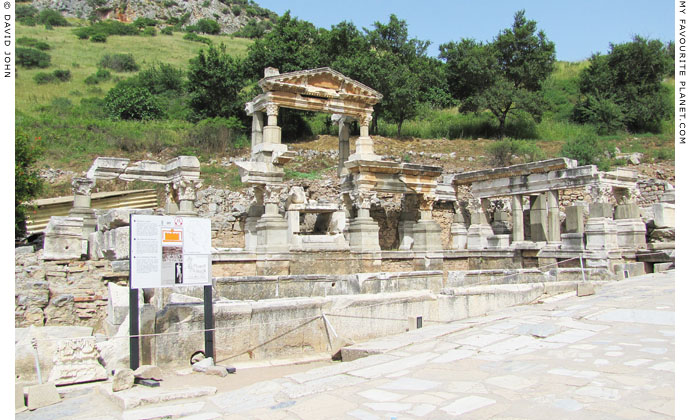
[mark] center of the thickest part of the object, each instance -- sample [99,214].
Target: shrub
[168,30]
[107,28]
[161,78]
[119,62]
[83,33]
[143,22]
[503,152]
[99,38]
[29,58]
[27,182]
[589,151]
[100,76]
[217,135]
[132,103]
[27,21]
[236,10]
[23,11]
[43,78]
[62,75]
[149,31]
[33,43]
[196,38]
[51,18]
[208,26]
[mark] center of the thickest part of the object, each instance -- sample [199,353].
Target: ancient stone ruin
[312,275]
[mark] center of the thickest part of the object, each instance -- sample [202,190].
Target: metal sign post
[209,323]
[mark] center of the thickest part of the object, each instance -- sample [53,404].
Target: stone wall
[651,190]
[61,292]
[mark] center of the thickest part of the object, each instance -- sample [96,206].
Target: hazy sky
[579,28]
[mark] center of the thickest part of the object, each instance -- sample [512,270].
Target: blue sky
[578,28]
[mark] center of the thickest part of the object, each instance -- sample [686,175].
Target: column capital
[364,119]
[186,189]
[426,201]
[363,199]
[272,109]
[82,186]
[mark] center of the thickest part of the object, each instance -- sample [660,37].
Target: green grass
[226,177]
[82,56]
[292,174]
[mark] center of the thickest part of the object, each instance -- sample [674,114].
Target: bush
[236,10]
[589,151]
[119,62]
[100,76]
[43,78]
[27,21]
[149,31]
[23,11]
[168,30]
[62,75]
[51,18]
[208,26]
[161,79]
[196,38]
[33,43]
[606,115]
[107,28]
[27,182]
[99,38]
[503,152]
[217,135]
[30,58]
[132,103]
[143,22]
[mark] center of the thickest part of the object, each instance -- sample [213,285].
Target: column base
[406,234]
[601,233]
[632,233]
[364,235]
[478,235]
[458,233]
[427,236]
[272,234]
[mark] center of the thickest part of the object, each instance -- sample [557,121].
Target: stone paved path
[606,356]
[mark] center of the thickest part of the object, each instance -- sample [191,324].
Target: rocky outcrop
[162,10]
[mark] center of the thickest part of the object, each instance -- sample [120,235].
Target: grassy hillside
[81,57]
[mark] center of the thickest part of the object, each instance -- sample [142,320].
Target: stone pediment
[322,83]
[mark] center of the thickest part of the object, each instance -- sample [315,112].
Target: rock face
[129,10]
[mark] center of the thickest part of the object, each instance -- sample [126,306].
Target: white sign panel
[168,251]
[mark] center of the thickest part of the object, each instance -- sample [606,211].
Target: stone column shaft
[518,221]
[257,128]
[554,223]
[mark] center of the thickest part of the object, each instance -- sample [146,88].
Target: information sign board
[169,251]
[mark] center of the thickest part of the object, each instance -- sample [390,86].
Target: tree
[503,76]
[397,65]
[215,82]
[624,87]
[291,45]
[27,183]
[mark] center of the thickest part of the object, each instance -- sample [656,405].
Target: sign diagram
[169,251]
